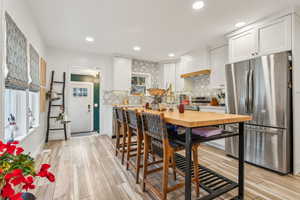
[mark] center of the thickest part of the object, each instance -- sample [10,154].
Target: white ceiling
[158,26]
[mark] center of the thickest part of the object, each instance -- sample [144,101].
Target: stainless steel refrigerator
[261,88]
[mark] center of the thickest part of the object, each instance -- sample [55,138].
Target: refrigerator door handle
[251,91]
[247,92]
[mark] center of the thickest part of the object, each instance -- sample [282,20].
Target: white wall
[2,73]
[63,60]
[20,13]
[296,92]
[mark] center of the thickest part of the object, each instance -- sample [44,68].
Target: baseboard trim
[296,169]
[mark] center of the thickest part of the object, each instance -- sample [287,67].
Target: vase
[28,196]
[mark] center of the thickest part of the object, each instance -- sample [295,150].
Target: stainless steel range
[261,88]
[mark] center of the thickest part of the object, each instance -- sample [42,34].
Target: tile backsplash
[111,97]
[118,97]
[201,87]
[147,67]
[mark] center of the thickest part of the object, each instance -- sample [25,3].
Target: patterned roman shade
[16,56]
[34,70]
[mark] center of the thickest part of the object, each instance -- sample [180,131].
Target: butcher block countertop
[192,119]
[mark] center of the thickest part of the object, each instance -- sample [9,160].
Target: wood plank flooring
[86,169]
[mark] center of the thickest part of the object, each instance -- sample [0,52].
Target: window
[33,110]
[15,114]
[140,83]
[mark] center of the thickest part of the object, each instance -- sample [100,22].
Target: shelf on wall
[197,73]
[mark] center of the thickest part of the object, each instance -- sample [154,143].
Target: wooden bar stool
[134,127]
[122,133]
[156,135]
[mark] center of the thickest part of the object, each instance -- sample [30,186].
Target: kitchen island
[193,119]
[208,179]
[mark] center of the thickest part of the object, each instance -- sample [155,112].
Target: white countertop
[213,107]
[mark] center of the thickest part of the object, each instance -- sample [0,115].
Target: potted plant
[18,172]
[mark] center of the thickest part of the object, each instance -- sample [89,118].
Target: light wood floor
[86,169]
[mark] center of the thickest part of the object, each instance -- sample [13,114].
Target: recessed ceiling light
[136,48]
[171,55]
[198,5]
[89,39]
[240,24]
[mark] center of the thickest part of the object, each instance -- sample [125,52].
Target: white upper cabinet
[122,73]
[195,61]
[269,37]
[242,46]
[219,58]
[275,36]
[169,75]
[179,82]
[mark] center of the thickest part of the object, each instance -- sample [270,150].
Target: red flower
[42,173]
[11,149]
[7,191]
[51,177]
[44,170]
[17,172]
[28,184]
[19,150]
[18,180]
[45,167]
[2,146]
[17,196]
[14,173]
[15,142]
[8,177]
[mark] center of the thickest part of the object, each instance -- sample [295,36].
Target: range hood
[197,73]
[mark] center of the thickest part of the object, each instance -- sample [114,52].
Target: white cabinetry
[179,87]
[242,46]
[169,75]
[269,37]
[122,73]
[275,36]
[218,60]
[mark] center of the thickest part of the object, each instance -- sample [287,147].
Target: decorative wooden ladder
[63,83]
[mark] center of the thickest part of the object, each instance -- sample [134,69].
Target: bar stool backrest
[154,125]
[120,115]
[133,120]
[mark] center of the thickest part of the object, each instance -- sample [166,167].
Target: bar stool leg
[128,148]
[138,158]
[174,166]
[145,162]
[117,138]
[196,169]
[166,162]
[124,143]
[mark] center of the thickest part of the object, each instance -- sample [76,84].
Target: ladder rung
[54,117]
[59,82]
[56,129]
[59,93]
[56,105]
